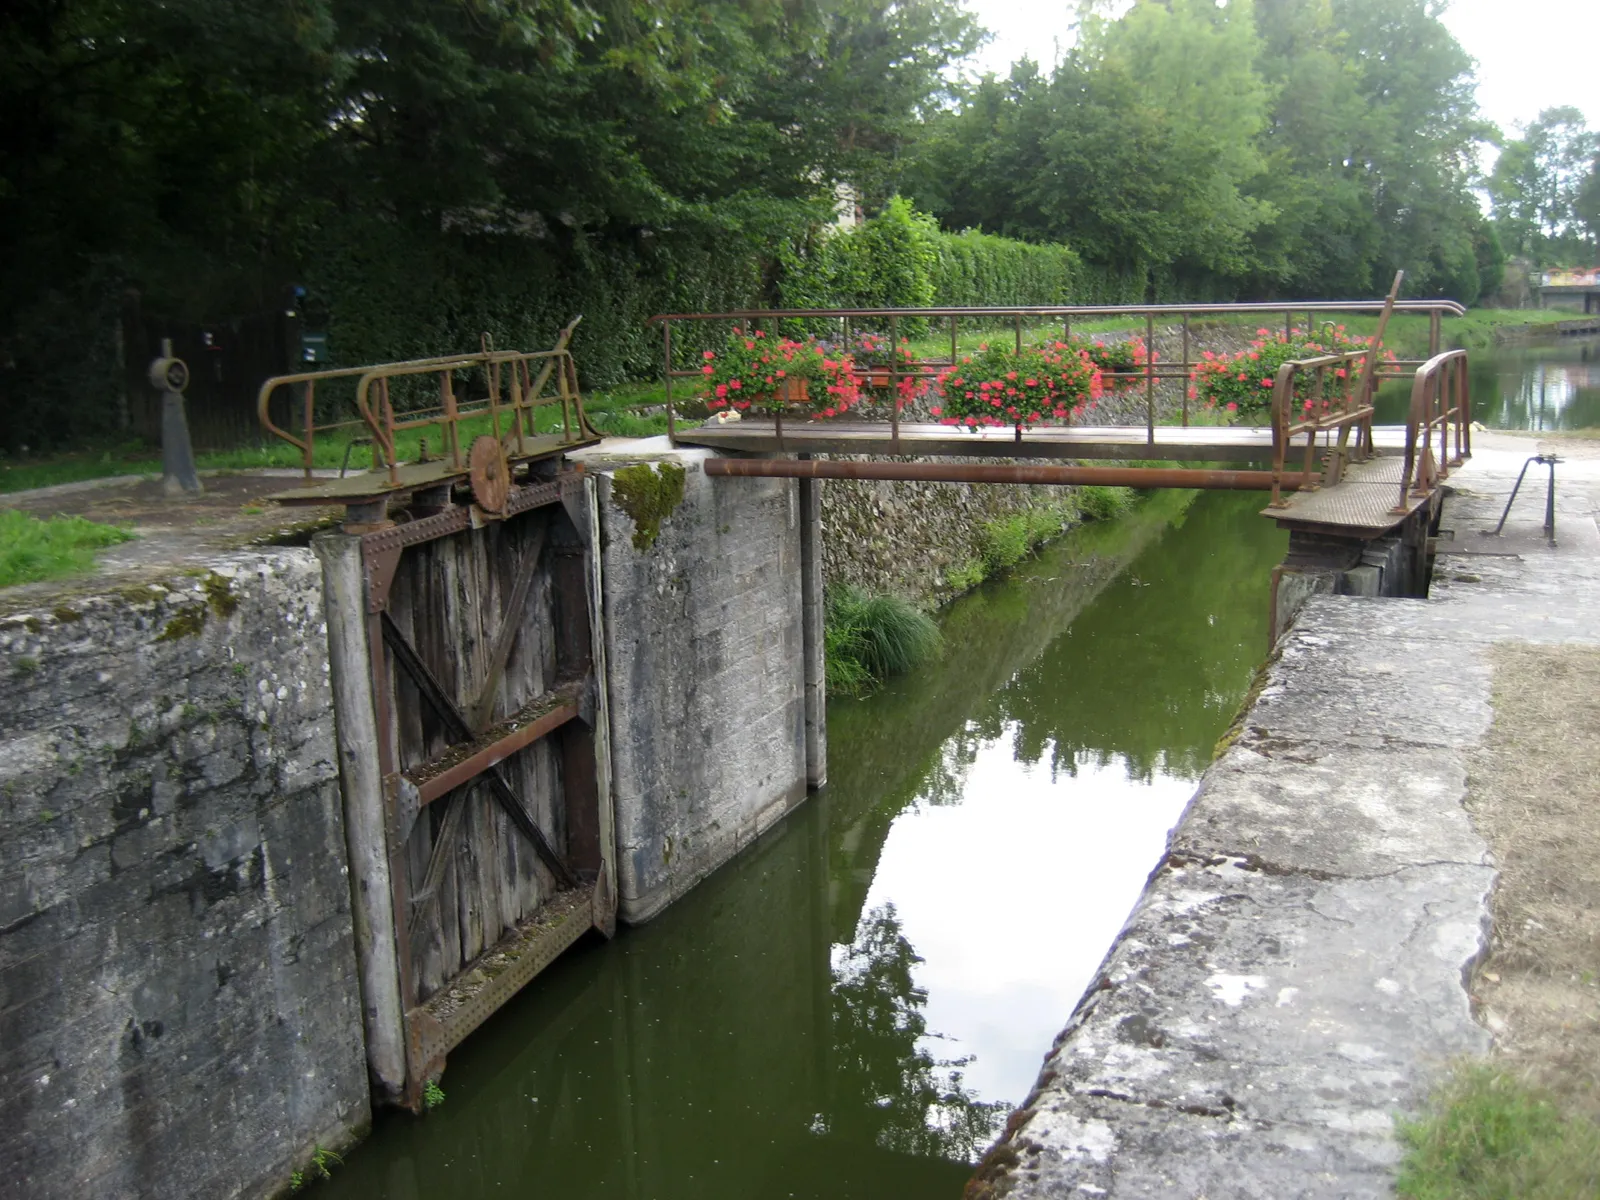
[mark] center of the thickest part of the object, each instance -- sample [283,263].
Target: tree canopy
[428,168]
[1546,190]
[1281,147]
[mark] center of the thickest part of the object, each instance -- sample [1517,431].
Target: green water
[851,1008]
[1546,384]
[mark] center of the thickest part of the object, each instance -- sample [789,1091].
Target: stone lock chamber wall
[707,661]
[179,1013]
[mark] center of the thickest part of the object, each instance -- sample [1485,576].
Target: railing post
[666,351]
[1185,382]
[894,408]
[311,423]
[1149,379]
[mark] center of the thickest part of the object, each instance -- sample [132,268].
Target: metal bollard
[170,376]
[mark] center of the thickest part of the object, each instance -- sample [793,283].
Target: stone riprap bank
[1295,975]
[178,1000]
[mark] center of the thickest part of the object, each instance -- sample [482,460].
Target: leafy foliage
[427,171]
[1546,190]
[1187,149]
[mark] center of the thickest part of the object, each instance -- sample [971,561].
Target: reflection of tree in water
[1150,675]
[909,1101]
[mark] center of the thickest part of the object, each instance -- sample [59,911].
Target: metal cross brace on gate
[433,692]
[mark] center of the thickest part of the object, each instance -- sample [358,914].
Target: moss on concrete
[649,496]
[187,623]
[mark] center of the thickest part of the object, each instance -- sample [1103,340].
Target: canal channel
[851,1008]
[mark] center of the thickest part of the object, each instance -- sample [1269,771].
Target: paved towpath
[1295,973]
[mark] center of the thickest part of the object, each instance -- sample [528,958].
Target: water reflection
[850,1009]
[1550,384]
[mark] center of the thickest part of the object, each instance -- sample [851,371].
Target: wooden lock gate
[479,618]
[490,723]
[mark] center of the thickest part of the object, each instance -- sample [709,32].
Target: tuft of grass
[32,549]
[1488,1136]
[1104,503]
[1008,541]
[869,638]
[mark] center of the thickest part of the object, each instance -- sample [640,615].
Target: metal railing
[1441,398]
[515,383]
[1303,385]
[891,320]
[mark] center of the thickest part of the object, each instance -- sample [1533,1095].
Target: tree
[1538,188]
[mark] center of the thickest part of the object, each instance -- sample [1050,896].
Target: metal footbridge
[1327,467]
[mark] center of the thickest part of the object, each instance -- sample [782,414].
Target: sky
[1520,46]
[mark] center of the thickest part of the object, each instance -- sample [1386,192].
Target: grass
[32,549]
[1487,1136]
[1008,541]
[870,638]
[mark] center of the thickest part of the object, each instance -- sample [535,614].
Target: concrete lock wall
[179,1012]
[708,669]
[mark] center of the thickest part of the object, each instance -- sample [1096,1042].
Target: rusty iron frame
[961,472]
[522,375]
[478,745]
[1065,314]
[1441,398]
[1349,409]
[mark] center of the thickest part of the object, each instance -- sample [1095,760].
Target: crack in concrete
[1247,861]
[1225,1112]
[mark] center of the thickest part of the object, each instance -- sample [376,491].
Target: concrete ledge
[1294,976]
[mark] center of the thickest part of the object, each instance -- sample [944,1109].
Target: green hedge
[391,294]
[386,291]
[901,259]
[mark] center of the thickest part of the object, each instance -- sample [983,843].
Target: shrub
[1008,541]
[755,371]
[869,638]
[1242,384]
[1116,359]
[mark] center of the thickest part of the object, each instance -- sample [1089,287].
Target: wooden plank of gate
[439,1025]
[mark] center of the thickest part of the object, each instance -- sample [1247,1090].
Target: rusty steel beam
[947,472]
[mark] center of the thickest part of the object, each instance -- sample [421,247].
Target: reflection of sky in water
[1012,896]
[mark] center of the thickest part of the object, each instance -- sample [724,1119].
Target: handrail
[527,392]
[1065,313]
[1351,408]
[1441,394]
[1449,307]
